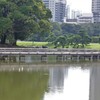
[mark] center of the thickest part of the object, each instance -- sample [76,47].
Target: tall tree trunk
[15,39]
[3,39]
[14,43]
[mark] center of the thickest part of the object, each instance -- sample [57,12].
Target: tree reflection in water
[23,85]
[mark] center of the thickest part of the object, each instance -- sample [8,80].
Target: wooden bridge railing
[45,50]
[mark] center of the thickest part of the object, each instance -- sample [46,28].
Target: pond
[70,81]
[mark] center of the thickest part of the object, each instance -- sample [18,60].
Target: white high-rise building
[96,10]
[46,2]
[51,5]
[68,12]
[58,9]
[52,8]
[75,14]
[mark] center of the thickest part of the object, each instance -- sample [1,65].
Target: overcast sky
[81,5]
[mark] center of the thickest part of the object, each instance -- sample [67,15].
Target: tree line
[30,20]
[75,35]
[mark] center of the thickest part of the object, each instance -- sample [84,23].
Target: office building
[58,9]
[51,5]
[46,2]
[68,12]
[85,18]
[96,10]
[75,14]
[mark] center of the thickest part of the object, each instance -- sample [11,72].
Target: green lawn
[93,46]
[28,43]
[39,44]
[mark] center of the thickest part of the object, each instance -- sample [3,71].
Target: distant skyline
[82,5]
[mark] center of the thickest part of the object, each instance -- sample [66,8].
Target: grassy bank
[29,44]
[40,44]
[93,46]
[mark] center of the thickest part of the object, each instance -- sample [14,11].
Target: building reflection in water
[95,82]
[73,84]
[77,84]
[56,79]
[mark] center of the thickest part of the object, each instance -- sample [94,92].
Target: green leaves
[27,10]
[5,24]
[24,17]
[44,26]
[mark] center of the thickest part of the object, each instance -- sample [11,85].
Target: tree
[26,17]
[5,28]
[60,41]
[85,39]
[51,38]
[93,29]
[56,28]
[70,28]
[76,40]
[5,21]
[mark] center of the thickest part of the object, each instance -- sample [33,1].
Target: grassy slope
[93,46]
[28,43]
[39,44]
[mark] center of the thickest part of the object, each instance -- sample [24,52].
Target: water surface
[80,81]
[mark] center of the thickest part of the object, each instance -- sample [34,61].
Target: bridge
[60,54]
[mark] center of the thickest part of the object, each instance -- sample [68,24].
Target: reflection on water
[50,82]
[75,85]
[95,83]
[56,78]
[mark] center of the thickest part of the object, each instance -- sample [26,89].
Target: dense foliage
[21,18]
[29,20]
[76,35]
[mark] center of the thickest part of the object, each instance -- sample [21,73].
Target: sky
[82,5]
